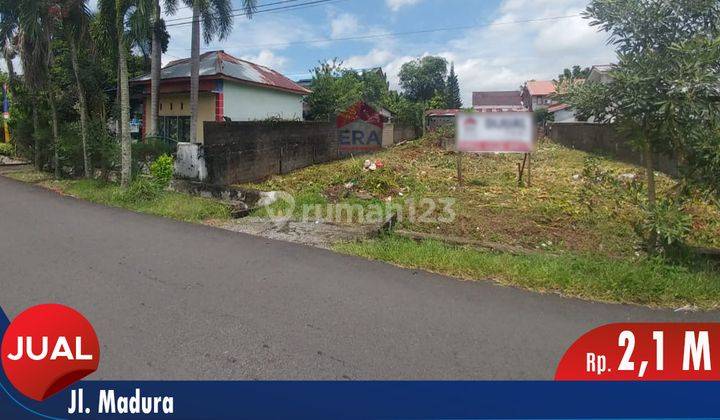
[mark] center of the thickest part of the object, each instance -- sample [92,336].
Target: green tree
[115,14]
[75,26]
[159,33]
[37,21]
[335,88]
[124,23]
[423,78]
[665,84]
[452,95]
[575,73]
[8,36]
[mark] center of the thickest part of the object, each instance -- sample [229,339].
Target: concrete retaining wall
[601,138]
[237,152]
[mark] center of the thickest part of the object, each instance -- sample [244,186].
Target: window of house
[171,106]
[176,128]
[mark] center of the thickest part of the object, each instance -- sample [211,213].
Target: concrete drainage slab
[318,234]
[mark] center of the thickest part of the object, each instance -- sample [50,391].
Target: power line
[233,10]
[418,32]
[287,7]
[406,33]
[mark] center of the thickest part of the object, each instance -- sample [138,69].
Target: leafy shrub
[162,170]
[668,225]
[103,148]
[6,149]
[143,153]
[141,190]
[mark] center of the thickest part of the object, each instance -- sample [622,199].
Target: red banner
[645,352]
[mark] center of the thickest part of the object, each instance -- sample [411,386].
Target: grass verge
[644,282]
[167,204]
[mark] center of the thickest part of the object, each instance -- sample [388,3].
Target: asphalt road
[171,300]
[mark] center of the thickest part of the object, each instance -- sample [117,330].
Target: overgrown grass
[27,175]
[644,282]
[163,203]
[555,209]
[166,204]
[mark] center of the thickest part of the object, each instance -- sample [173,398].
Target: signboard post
[496,132]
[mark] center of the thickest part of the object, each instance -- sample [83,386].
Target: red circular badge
[48,348]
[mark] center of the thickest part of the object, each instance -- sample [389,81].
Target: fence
[237,152]
[601,138]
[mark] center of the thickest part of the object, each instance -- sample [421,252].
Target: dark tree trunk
[55,134]
[83,108]
[649,159]
[125,141]
[155,67]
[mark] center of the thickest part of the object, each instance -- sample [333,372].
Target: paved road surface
[179,301]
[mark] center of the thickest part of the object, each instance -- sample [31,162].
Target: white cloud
[344,25]
[260,40]
[396,5]
[268,59]
[506,54]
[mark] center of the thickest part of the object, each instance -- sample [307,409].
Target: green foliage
[336,88]
[162,170]
[103,148]
[141,190]
[543,116]
[452,91]
[144,153]
[423,78]
[166,204]
[669,224]
[406,111]
[665,83]
[437,102]
[6,149]
[575,73]
[646,282]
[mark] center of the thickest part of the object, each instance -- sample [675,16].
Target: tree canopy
[423,78]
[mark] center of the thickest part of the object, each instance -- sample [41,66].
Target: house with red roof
[230,88]
[537,94]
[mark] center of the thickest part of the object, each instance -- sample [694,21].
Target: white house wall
[249,103]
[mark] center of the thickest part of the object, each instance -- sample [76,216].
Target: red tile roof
[222,65]
[541,87]
[558,107]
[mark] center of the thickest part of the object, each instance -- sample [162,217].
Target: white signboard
[499,132]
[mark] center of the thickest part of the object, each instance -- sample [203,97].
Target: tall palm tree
[122,19]
[75,27]
[158,31]
[8,36]
[35,31]
[217,19]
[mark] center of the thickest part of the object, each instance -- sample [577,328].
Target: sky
[490,42]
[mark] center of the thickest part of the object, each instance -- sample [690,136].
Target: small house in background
[436,118]
[230,88]
[498,101]
[600,74]
[537,94]
[562,113]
